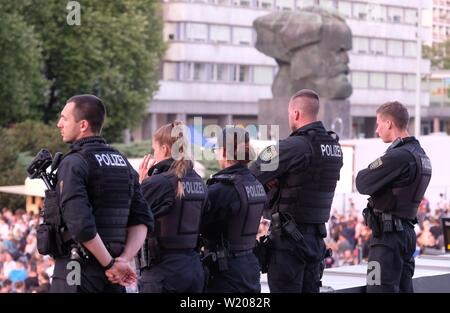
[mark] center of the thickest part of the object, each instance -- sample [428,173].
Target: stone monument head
[310,47]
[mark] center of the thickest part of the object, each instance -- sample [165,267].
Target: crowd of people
[24,270]
[349,237]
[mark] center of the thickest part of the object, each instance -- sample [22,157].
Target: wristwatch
[110,264]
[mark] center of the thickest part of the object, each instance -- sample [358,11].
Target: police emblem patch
[268,153]
[375,164]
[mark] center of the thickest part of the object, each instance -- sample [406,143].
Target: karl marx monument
[310,47]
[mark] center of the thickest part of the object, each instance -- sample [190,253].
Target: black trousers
[177,272]
[242,276]
[72,276]
[393,251]
[296,267]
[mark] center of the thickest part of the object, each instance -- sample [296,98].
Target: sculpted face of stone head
[310,47]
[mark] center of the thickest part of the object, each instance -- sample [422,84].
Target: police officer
[169,260]
[304,169]
[104,214]
[396,182]
[231,223]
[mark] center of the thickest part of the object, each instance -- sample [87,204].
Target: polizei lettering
[193,187]
[331,150]
[255,191]
[110,159]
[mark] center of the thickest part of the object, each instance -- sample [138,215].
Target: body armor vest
[404,201]
[179,229]
[110,190]
[307,196]
[242,228]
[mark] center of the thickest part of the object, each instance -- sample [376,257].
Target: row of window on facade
[357,10]
[238,73]
[222,34]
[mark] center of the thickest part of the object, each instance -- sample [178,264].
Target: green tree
[18,146]
[115,53]
[21,80]
[439,54]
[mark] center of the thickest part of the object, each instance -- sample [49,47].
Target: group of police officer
[186,236]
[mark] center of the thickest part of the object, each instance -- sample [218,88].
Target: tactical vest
[179,229]
[308,195]
[242,228]
[407,199]
[110,190]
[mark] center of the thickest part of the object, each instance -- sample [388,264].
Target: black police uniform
[175,266]
[99,193]
[396,182]
[309,162]
[229,229]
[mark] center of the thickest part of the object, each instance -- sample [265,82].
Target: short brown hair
[311,102]
[397,112]
[91,109]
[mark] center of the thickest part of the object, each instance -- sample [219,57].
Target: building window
[242,3]
[345,8]
[220,34]
[170,31]
[170,71]
[199,71]
[409,81]
[306,3]
[410,16]
[394,81]
[223,2]
[410,49]
[377,12]
[263,74]
[285,5]
[265,4]
[378,46]
[360,79]
[222,72]
[242,35]
[377,80]
[395,48]
[241,73]
[329,4]
[360,11]
[395,15]
[360,45]
[196,32]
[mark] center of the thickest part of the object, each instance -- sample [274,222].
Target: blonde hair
[172,135]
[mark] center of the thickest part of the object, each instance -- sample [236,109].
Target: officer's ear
[167,150]
[84,125]
[389,124]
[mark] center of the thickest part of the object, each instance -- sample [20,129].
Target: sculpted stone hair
[397,112]
[91,109]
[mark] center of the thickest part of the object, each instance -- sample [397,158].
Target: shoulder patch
[268,153]
[375,164]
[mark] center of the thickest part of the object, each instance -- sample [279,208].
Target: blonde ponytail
[173,136]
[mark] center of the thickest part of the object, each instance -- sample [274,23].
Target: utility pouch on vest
[154,253]
[372,221]
[49,237]
[284,223]
[262,252]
